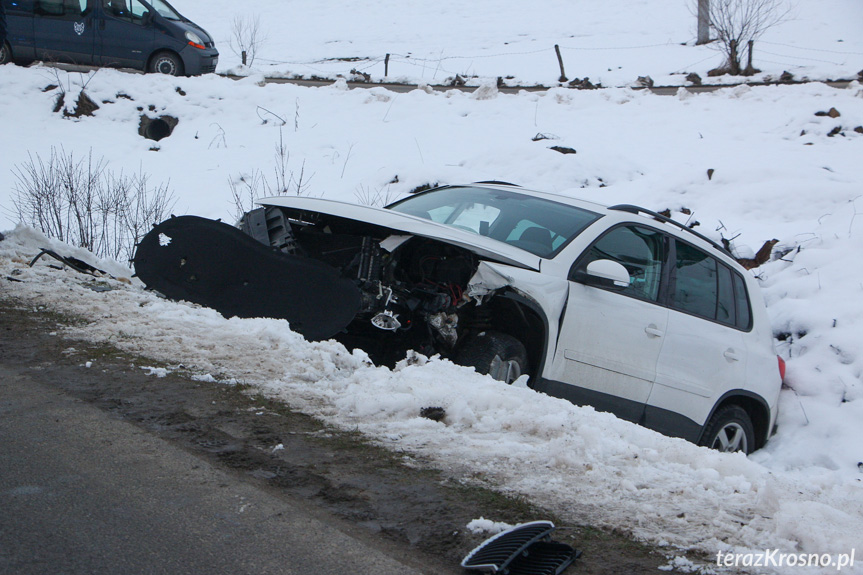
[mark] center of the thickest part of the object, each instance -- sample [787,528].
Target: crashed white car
[614,307]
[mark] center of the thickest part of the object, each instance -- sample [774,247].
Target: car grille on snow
[525,549]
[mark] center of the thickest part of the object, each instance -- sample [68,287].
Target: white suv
[615,307]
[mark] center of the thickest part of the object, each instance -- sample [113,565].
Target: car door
[63,31]
[124,37]
[705,352]
[611,337]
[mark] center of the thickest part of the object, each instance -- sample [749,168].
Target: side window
[725,312]
[741,299]
[129,10]
[23,7]
[640,250]
[695,282]
[704,287]
[49,7]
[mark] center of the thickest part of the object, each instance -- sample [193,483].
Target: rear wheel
[729,430]
[497,354]
[167,63]
[5,54]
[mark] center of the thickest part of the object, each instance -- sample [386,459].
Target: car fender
[548,294]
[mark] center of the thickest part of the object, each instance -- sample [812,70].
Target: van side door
[63,31]
[19,29]
[125,36]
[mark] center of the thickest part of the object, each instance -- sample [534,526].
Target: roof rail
[499,183]
[638,210]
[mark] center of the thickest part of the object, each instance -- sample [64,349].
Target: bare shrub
[247,189]
[376,197]
[82,203]
[246,38]
[736,23]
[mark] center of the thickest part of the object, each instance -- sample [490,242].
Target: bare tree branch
[736,23]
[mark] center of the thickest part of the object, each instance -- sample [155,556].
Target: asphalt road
[82,492]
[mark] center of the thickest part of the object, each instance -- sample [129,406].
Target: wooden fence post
[703,22]
[563,77]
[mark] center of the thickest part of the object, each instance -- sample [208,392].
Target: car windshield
[165,10]
[539,226]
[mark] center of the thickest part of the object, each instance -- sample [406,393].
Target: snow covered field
[612,42]
[779,171]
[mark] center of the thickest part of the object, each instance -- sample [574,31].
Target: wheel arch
[524,319]
[754,405]
[9,53]
[164,50]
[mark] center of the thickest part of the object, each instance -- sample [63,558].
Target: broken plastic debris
[525,549]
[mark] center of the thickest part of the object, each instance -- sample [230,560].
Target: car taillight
[781,367]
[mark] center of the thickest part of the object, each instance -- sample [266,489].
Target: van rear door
[63,31]
[125,38]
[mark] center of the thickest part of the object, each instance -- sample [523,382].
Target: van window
[25,6]
[129,10]
[60,7]
[165,11]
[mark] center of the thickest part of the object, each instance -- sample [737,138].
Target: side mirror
[605,273]
[146,18]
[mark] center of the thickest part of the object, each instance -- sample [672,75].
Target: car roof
[620,213]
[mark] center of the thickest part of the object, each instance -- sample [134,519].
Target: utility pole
[703,22]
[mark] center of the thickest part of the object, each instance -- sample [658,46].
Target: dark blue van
[147,35]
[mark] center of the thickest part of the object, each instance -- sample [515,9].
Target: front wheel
[497,354]
[166,63]
[729,430]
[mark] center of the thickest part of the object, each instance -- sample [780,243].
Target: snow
[777,173]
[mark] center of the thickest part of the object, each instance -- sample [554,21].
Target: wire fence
[784,54]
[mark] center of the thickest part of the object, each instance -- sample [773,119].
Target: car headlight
[194,40]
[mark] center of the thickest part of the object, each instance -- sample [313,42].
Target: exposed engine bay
[413,289]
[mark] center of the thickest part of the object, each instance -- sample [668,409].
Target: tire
[166,63]
[5,54]
[729,430]
[497,354]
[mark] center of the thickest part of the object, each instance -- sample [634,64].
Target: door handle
[731,355]
[653,331]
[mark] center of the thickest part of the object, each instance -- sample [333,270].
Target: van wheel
[730,430]
[166,63]
[497,354]
[5,54]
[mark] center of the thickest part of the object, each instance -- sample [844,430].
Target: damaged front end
[367,285]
